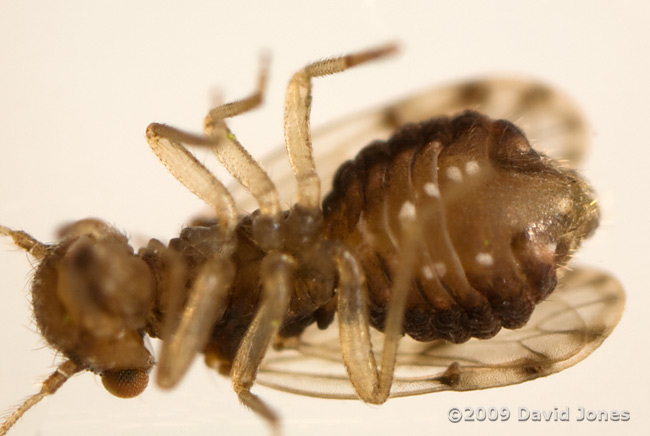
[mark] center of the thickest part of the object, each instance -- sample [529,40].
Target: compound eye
[125,383]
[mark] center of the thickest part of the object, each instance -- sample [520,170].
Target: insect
[447,232]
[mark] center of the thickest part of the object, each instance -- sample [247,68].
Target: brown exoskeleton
[450,230]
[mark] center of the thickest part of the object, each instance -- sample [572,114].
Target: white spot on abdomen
[407,212]
[453,173]
[431,189]
[472,167]
[484,259]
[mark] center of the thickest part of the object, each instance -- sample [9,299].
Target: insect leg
[249,103]
[205,306]
[234,157]
[277,273]
[66,370]
[373,384]
[354,330]
[296,119]
[166,144]
[248,172]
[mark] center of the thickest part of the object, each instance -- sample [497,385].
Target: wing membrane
[563,330]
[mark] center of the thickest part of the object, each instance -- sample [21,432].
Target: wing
[563,330]
[548,117]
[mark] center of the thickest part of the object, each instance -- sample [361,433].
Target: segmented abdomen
[488,247]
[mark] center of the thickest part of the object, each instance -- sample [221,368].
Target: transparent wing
[563,330]
[548,117]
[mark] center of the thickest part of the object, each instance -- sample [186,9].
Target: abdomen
[489,246]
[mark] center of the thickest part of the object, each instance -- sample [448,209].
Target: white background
[80,81]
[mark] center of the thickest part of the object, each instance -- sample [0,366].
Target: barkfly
[447,229]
